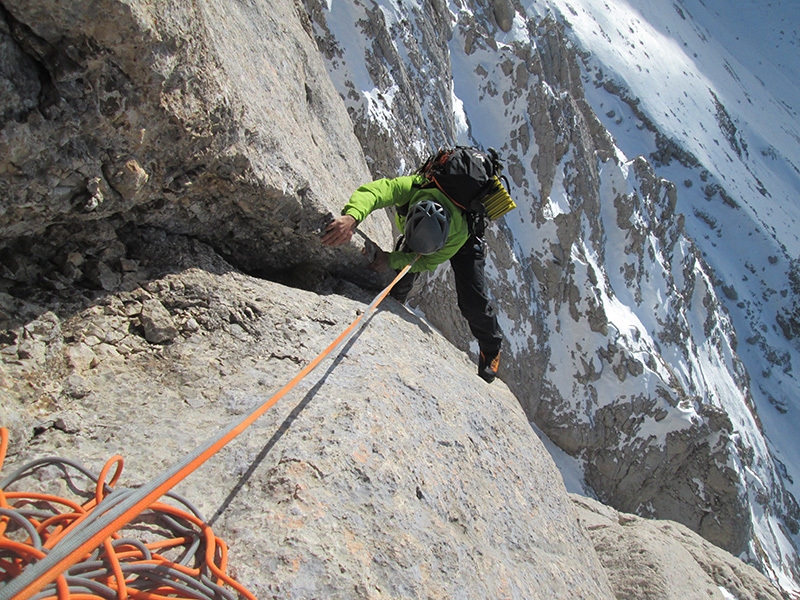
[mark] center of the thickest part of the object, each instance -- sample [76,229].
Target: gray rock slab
[391,471]
[663,560]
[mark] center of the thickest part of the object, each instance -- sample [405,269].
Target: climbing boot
[488,366]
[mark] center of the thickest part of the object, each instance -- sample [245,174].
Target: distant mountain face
[617,277]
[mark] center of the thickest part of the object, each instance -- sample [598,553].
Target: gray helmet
[427,227]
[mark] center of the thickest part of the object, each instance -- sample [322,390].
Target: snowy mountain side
[720,89]
[708,91]
[621,345]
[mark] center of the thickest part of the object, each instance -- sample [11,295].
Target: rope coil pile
[180,557]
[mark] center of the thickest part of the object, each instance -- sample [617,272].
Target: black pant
[468,269]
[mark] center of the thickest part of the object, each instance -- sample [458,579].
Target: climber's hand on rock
[339,231]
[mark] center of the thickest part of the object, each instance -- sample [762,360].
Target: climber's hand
[339,231]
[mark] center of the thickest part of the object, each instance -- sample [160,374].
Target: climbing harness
[111,510]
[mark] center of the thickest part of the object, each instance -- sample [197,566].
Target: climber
[436,229]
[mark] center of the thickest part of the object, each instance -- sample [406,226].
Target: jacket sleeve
[379,194]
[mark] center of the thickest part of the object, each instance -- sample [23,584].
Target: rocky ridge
[662,560]
[329,495]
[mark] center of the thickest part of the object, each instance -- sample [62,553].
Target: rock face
[392,470]
[155,159]
[662,560]
[136,118]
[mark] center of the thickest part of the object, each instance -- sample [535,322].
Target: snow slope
[681,61]
[675,59]
[719,79]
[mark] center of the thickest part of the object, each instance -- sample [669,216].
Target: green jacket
[397,192]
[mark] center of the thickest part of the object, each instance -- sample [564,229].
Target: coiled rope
[35,566]
[181,559]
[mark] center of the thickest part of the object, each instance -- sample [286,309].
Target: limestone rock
[391,470]
[157,322]
[148,111]
[663,560]
[504,14]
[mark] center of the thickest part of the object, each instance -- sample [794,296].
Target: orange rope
[3,449]
[85,509]
[210,558]
[86,543]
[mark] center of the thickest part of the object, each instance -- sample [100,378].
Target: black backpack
[471,179]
